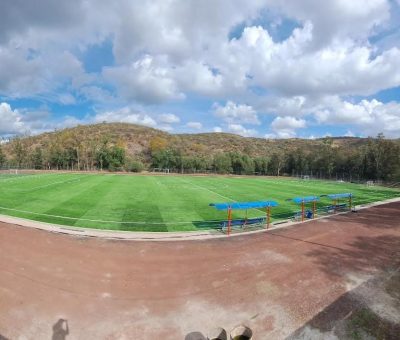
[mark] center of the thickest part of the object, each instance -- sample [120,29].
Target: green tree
[117,158]
[382,157]
[19,152]
[261,165]
[167,159]
[37,158]
[103,156]
[135,166]
[2,157]
[222,163]
[276,163]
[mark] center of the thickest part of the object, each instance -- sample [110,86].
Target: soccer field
[157,203]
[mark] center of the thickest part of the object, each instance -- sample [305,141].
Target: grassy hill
[138,141]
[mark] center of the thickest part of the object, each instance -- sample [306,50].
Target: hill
[137,140]
[121,146]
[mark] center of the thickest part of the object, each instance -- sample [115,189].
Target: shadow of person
[60,330]
[195,336]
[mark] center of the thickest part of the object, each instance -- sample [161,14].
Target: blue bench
[332,208]
[241,223]
[307,214]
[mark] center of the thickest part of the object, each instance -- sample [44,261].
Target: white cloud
[125,115]
[241,130]
[18,122]
[371,116]
[97,94]
[179,29]
[285,127]
[217,129]
[236,113]
[194,125]
[19,77]
[176,51]
[186,48]
[292,68]
[168,118]
[66,99]
[10,120]
[145,81]
[197,77]
[288,123]
[338,19]
[167,128]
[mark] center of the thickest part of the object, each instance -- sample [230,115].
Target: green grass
[156,203]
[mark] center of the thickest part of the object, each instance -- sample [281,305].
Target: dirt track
[274,282]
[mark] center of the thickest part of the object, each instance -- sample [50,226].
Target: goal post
[161,170]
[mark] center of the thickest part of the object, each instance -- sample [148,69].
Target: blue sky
[269,69]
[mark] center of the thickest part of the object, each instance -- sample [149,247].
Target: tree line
[378,159]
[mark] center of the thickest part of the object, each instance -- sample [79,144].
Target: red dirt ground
[274,282]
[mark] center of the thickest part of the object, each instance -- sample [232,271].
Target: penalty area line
[213,192]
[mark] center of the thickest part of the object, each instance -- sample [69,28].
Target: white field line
[18,178]
[213,192]
[128,222]
[54,183]
[98,221]
[308,185]
[121,222]
[230,199]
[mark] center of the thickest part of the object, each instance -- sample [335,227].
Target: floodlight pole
[268,216]
[229,220]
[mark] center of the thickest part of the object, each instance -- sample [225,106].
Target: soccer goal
[7,172]
[161,170]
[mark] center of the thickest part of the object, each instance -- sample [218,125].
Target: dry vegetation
[138,140]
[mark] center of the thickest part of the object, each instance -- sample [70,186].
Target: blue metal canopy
[306,199]
[336,196]
[244,205]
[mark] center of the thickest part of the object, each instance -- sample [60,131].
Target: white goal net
[161,170]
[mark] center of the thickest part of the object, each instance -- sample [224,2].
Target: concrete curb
[160,236]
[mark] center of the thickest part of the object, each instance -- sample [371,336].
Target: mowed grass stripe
[24,198]
[160,203]
[187,200]
[78,202]
[144,205]
[122,204]
[46,201]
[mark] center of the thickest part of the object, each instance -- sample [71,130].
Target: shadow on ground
[195,336]
[352,316]
[363,255]
[60,330]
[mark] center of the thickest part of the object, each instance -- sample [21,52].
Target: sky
[259,68]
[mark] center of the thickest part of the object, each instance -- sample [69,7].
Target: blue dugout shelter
[245,206]
[303,200]
[337,197]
